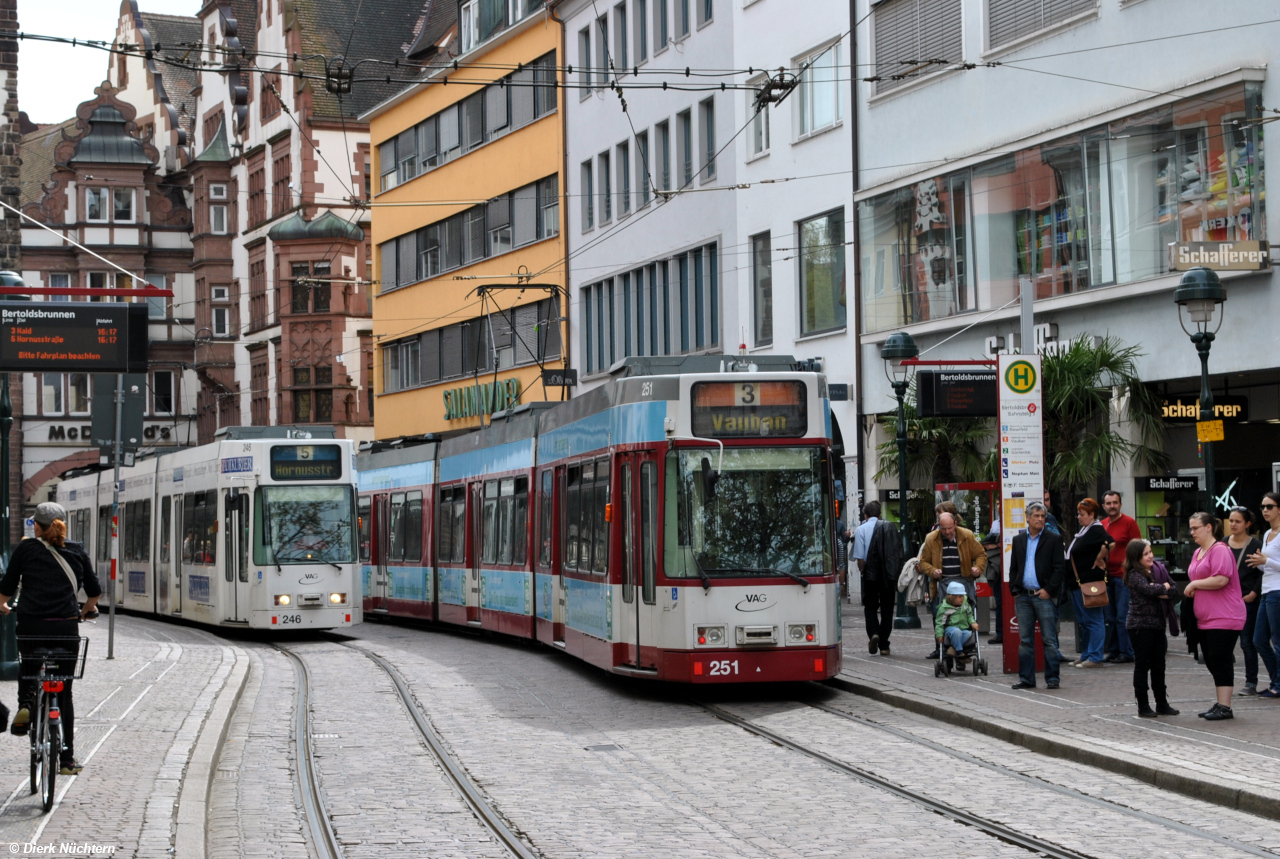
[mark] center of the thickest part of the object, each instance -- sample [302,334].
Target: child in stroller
[956,629]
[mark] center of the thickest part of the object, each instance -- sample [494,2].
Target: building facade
[11,231]
[467,221]
[1075,146]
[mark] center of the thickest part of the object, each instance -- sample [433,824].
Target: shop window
[906,32]
[822,281]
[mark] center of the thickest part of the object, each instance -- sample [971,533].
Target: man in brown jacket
[951,553]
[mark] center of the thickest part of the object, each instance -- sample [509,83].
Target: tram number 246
[290,618]
[722,667]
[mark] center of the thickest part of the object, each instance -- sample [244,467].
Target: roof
[36,150]
[217,150]
[246,12]
[326,226]
[169,31]
[383,30]
[108,141]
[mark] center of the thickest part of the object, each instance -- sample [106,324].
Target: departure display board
[306,462]
[73,336]
[956,393]
[749,409]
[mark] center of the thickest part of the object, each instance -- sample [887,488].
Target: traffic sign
[1209,431]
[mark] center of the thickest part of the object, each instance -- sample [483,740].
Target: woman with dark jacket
[1087,562]
[1149,613]
[48,608]
[1242,544]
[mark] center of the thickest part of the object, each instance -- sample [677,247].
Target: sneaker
[1215,708]
[20,721]
[1248,690]
[1219,714]
[874,644]
[70,766]
[1088,663]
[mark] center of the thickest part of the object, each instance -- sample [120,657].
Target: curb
[1218,792]
[193,802]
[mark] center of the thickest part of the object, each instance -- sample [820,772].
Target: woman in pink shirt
[1220,610]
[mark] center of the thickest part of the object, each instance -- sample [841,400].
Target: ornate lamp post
[897,348]
[1201,294]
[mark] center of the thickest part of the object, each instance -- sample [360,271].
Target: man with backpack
[880,568]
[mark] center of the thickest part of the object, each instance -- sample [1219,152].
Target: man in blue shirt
[1037,574]
[862,535]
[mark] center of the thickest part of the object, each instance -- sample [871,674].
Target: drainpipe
[857,244]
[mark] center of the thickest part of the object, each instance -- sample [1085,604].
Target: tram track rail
[466,787]
[323,839]
[968,818]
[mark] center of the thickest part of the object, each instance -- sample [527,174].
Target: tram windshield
[766,513]
[304,525]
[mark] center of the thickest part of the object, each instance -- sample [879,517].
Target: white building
[1069,148]
[674,251]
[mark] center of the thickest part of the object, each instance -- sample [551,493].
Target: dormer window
[103,205]
[96,210]
[122,210]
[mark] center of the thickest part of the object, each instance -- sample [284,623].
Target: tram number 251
[723,667]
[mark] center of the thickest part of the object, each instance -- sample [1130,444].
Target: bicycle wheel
[49,763]
[34,731]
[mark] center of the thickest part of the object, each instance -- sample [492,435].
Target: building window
[822,287]
[758,133]
[906,32]
[157,307]
[102,280]
[642,167]
[818,101]
[78,393]
[624,179]
[682,18]
[707,122]
[620,58]
[684,140]
[221,321]
[549,207]
[606,187]
[1010,20]
[51,393]
[584,63]
[96,203]
[260,396]
[218,219]
[259,300]
[588,197]
[269,102]
[762,288]
[311,290]
[469,25]
[281,178]
[663,25]
[705,10]
[258,192]
[122,205]
[663,130]
[59,280]
[602,52]
[642,29]
[162,397]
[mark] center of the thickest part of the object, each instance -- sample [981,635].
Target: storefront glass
[1087,210]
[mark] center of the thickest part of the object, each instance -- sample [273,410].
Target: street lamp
[1201,293]
[899,347]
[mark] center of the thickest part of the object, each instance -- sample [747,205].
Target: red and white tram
[675,523]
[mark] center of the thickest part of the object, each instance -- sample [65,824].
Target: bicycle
[51,662]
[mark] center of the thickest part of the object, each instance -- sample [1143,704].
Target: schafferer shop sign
[1219,256]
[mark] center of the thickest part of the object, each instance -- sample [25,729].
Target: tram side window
[678,558]
[395,551]
[451,531]
[366,528]
[513,515]
[104,533]
[200,518]
[166,532]
[489,553]
[544,520]
[137,530]
[413,527]
[573,493]
[600,553]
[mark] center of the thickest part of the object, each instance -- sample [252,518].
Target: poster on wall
[1021,424]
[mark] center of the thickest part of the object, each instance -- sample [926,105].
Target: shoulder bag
[1094,594]
[62,562]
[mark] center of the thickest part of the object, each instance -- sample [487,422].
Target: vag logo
[753,602]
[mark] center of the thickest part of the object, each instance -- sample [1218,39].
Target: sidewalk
[1092,718]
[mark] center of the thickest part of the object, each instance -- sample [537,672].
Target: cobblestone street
[576,763]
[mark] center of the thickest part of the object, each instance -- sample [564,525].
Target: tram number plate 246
[723,667]
[290,618]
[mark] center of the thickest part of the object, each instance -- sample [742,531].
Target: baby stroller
[972,652]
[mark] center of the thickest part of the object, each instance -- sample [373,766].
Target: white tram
[256,530]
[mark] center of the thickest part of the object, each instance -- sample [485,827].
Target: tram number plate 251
[723,667]
[290,618]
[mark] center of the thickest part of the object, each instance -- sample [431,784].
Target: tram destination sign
[956,393]
[749,409]
[66,336]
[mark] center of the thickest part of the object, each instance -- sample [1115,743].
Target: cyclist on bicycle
[49,570]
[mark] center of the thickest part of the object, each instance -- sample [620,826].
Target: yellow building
[467,195]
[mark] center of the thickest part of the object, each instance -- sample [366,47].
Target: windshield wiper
[702,574]
[801,579]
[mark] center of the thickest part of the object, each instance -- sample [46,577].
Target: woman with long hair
[50,570]
[1219,608]
[1087,563]
[1266,635]
[1242,543]
[1149,614]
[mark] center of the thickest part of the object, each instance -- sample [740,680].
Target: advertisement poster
[1021,468]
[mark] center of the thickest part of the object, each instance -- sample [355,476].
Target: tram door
[235,526]
[174,566]
[382,541]
[637,499]
[162,554]
[476,495]
[557,558]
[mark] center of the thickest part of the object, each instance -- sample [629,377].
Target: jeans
[1116,613]
[1091,621]
[879,605]
[1246,641]
[1149,649]
[954,636]
[1031,610]
[1266,635]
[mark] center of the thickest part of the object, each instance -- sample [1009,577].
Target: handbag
[62,562]
[1094,594]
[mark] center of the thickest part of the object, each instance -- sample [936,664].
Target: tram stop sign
[104,412]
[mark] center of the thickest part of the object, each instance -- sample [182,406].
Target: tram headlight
[283,599]
[710,636]
[802,633]
[337,599]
